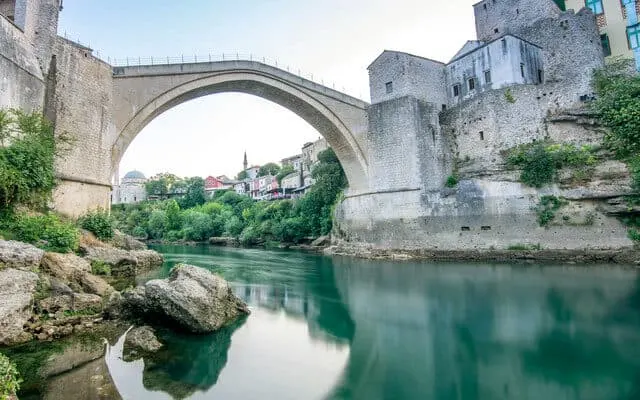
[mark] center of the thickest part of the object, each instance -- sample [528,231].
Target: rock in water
[196,299]
[16,291]
[139,341]
[19,255]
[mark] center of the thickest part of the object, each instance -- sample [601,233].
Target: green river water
[343,328]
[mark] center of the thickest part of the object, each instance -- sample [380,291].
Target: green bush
[27,153]
[9,378]
[452,181]
[249,236]
[99,223]
[100,268]
[547,208]
[139,232]
[198,226]
[618,107]
[46,231]
[540,161]
[290,230]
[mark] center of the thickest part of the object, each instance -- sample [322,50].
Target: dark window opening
[484,6]
[444,107]
[486,228]
[522,69]
[389,87]
[540,76]
[496,30]
[504,46]
[465,228]
[487,76]
[606,45]
[481,135]
[456,90]
[471,83]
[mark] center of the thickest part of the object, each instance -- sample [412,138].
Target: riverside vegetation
[230,214]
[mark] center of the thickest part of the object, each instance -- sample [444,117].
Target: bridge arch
[141,97]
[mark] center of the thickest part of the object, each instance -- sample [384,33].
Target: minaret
[246,164]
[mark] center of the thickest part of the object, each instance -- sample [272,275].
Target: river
[344,328]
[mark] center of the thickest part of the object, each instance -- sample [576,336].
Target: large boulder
[140,341]
[147,259]
[76,271]
[126,242]
[193,298]
[17,289]
[123,262]
[19,255]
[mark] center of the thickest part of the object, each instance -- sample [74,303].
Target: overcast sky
[333,39]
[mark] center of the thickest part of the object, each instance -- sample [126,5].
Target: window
[595,6]
[389,87]
[606,46]
[484,6]
[522,69]
[481,135]
[456,90]
[444,107]
[540,76]
[504,46]
[471,83]
[633,34]
[487,76]
[496,30]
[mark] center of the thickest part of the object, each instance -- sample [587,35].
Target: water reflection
[354,329]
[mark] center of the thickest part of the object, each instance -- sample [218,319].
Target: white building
[130,190]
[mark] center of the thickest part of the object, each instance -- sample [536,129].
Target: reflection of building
[130,190]
[617,23]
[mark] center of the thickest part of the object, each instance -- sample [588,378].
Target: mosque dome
[134,175]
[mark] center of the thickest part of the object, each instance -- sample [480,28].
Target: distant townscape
[289,179]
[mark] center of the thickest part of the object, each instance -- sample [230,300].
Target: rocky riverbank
[53,303]
[526,254]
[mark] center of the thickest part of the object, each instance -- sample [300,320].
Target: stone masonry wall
[21,81]
[83,110]
[406,148]
[8,8]
[409,75]
[495,18]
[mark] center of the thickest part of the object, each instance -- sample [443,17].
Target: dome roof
[134,175]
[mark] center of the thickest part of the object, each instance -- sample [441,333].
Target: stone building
[130,190]
[311,150]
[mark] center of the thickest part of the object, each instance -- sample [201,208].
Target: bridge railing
[194,58]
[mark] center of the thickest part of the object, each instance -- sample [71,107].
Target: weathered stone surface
[140,340]
[19,255]
[64,266]
[126,242]
[113,308]
[16,290]
[321,241]
[75,302]
[147,259]
[75,271]
[192,297]
[110,256]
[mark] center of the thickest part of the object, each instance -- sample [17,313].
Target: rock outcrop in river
[192,297]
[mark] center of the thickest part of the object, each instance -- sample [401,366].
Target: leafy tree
[28,150]
[162,185]
[194,195]
[286,170]
[174,219]
[618,106]
[269,169]
[158,223]
[242,175]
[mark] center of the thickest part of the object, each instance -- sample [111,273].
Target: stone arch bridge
[140,93]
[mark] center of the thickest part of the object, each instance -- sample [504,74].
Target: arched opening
[141,108]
